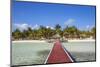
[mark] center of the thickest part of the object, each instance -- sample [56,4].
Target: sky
[34,14]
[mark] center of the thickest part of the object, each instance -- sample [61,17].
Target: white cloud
[23,26]
[49,27]
[89,27]
[69,21]
[52,27]
[36,26]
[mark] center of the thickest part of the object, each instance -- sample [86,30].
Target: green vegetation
[70,32]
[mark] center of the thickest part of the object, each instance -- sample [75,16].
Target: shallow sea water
[30,53]
[36,53]
[81,51]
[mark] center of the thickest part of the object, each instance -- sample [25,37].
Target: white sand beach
[70,40]
[36,41]
[82,40]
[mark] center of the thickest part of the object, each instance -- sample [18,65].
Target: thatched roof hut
[56,36]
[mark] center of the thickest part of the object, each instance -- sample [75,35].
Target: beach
[81,40]
[36,41]
[70,40]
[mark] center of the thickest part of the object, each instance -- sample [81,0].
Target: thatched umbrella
[57,36]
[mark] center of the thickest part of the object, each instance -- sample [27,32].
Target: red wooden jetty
[58,54]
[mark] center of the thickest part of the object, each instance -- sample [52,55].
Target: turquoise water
[81,51]
[36,53]
[30,53]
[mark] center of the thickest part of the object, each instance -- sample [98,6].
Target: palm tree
[17,34]
[47,33]
[50,32]
[24,34]
[35,34]
[57,26]
[58,30]
[93,31]
[43,31]
[71,32]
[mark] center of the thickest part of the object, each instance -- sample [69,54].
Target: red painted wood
[58,55]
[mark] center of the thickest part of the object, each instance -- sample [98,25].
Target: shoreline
[36,41]
[82,40]
[44,41]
